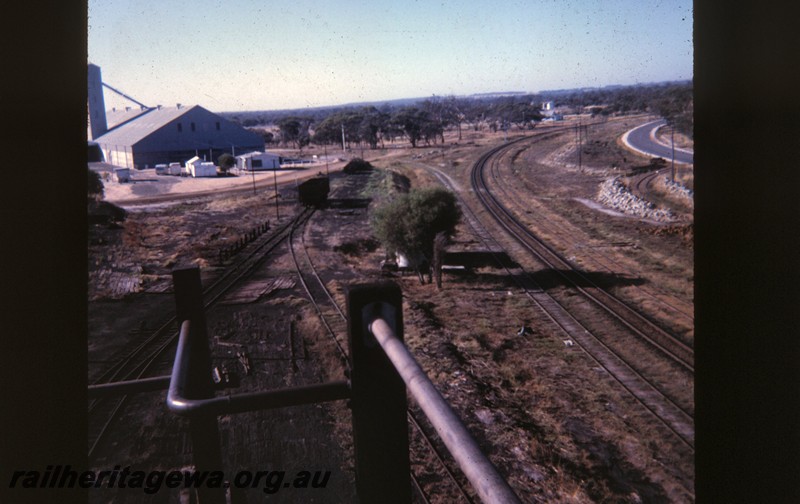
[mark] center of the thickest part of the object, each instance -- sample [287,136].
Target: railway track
[141,357]
[335,322]
[674,416]
[597,260]
[646,329]
[642,185]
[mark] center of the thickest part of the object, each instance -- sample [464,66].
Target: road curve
[641,139]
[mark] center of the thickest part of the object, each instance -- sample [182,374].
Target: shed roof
[117,117]
[257,154]
[142,126]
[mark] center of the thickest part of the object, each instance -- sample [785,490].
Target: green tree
[290,130]
[675,103]
[409,223]
[294,130]
[415,124]
[329,131]
[225,162]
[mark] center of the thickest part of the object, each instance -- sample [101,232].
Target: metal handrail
[178,403]
[128,387]
[479,470]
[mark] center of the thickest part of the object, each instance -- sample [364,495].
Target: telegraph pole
[327,171]
[253,173]
[673,154]
[578,145]
[343,143]
[275,177]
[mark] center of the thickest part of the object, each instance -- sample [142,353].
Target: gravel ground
[554,424]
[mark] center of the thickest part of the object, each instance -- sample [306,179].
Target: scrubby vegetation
[410,223]
[357,165]
[425,121]
[95,186]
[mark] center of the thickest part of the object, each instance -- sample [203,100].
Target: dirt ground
[556,425]
[146,186]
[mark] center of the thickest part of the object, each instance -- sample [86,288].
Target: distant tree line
[424,122]
[674,101]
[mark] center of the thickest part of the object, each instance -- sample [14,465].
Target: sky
[236,55]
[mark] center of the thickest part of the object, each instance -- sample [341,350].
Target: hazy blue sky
[231,55]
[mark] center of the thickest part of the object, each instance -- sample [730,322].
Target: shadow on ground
[545,279]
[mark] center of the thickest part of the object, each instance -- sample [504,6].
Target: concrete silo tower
[96,105]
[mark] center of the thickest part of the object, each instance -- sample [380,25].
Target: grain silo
[96,104]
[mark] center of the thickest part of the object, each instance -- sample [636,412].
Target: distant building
[143,137]
[95,103]
[122,175]
[255,161]
[199,168]
[549,112]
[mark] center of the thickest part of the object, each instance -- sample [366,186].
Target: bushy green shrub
[409,223]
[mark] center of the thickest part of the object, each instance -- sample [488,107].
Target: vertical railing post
[380,425]
[204,432]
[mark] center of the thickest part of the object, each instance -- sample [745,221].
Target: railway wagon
[314,192]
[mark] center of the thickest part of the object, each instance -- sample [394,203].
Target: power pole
[673,153]
[327,171]
[275,177]
[343,143]
[252,172]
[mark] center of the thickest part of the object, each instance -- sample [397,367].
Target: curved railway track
[642,326]
[673,416]
[140,358]
[327,308]
[659,298]
[643,182]
[677,418]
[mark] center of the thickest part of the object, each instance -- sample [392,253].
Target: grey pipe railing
[128,387]
[178,403]
[479,470]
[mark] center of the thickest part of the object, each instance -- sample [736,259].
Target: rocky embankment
[679,190]
[614,194]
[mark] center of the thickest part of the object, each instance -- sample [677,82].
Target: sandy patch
[145,184]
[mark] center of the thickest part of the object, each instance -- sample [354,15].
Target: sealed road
[642,139]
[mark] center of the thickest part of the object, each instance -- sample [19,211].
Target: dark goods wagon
[314,192]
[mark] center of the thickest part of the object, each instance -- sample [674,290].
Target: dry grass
[557,426]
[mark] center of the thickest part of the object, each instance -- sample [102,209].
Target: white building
[255,161]
[122,175]
[198,168]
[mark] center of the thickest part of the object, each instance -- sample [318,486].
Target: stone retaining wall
[679,190]
[614,194]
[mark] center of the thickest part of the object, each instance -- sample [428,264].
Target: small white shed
[174,169]
[191,163]
[199,168]
[258,161]
[204,169]
[122,175]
